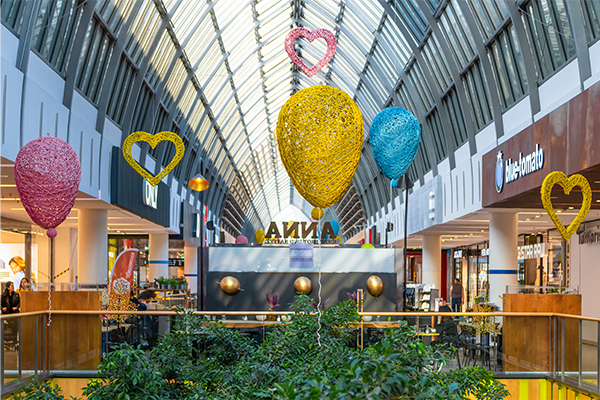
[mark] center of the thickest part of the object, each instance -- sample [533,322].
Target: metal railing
[560,347]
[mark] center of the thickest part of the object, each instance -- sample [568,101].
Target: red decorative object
[241,239]
[47,174]
[310,36]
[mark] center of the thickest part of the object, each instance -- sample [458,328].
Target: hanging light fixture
[198,182]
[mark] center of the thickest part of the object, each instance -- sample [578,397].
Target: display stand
[168,298]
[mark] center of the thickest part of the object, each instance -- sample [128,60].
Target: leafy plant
[161,280]
[38,390]
[272,299]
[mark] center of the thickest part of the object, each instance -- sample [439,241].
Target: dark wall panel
[335,287]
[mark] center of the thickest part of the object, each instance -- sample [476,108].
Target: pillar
[190,266]
[432,261]
[158,259]
[503,254]
[92,251]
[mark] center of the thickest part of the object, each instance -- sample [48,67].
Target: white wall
[585,273]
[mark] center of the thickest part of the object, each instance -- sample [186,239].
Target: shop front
[470,267]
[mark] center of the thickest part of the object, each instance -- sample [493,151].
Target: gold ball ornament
[320,137]
[559,178]
[374,285]
[303,285]
[230,285]
[259,236]
[317,213]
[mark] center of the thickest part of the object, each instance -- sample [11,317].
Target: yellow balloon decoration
[557,177]
[320,137]
[317,213]
[259,236]
[230,285]
[153,140]
[374,285]
[367,246]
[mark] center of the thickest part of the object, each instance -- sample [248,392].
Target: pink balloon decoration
[47,174]
[310,36]
[241,239]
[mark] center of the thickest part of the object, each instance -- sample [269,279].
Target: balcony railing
[552,346]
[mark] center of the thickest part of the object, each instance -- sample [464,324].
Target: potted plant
[183,284]
[162,283]
[273,300]
[173,283]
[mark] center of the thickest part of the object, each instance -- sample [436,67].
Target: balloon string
[320,286]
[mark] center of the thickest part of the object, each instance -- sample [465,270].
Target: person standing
[10,299]
[456,295]
[17,264]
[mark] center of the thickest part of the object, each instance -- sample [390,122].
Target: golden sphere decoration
[303,285]
[259,236]
[230,285]
[374,285]
[317,213]
[320,137]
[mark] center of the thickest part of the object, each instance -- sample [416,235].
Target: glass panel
[458,35]
[412,17]
[477,96]
[457,123]
[489,14]
[437,132]
[121,90]
[437,64]
[12,14]
[591,13]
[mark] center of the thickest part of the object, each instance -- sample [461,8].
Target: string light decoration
[47,175]
[310,36]
[395,135]
[320,137]
[153,140]
[559,178]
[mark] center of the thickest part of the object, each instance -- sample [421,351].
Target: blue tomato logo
[499,172]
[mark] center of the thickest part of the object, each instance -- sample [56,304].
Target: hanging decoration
[317,213]
[47,175]
[153,141]
[394,135]
[241,239]
[320,137]
[259,236]
[320,33]
[559,178]
[367,246]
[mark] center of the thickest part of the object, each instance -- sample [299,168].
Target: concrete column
[158,259]
[503,253]
[432,261]
[190,266]
[92,253]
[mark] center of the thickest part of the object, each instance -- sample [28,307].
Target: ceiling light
[198,182]
[570,208]
[482,230]
[537,216]
[527,219]
[558,210]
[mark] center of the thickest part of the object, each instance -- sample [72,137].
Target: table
[172,297]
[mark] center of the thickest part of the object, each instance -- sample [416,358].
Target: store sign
[299,232]
[458,254]
[525,165]
[485,252]
[150,195]
[531,251]
[588,237]
[301,255]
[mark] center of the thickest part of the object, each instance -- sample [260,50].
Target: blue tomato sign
[499,172]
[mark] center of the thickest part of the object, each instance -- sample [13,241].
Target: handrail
[243,313]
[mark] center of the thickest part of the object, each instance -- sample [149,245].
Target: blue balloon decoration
[395,135]
[394,183]
[335,226]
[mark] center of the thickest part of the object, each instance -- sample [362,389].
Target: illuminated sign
[524,166]
[300,232]
[458,254]
[531,251]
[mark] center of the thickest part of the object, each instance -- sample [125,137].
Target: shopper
[10,299]
[17,265]
[456,295]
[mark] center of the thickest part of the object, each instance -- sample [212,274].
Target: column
[92,252]
[190,266]
[503,253]
[432,261]
[158,259]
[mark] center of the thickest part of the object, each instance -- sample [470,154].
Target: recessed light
[570,208]
[537,216]
[482,230]
[559,211]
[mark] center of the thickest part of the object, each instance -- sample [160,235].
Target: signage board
[457,253]
[301,255]
[531,251]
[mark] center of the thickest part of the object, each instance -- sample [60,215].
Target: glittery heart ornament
[310,36]
[153,140]
[395,135]
[557,177]
[47,174]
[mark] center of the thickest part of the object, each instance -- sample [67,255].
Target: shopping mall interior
[300,199]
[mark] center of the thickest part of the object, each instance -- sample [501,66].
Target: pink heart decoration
[310,36]
[47,174]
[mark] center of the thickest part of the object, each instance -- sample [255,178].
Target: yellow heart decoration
[557,177]
[153,140]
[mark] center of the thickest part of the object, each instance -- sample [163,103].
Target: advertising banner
[122,276]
